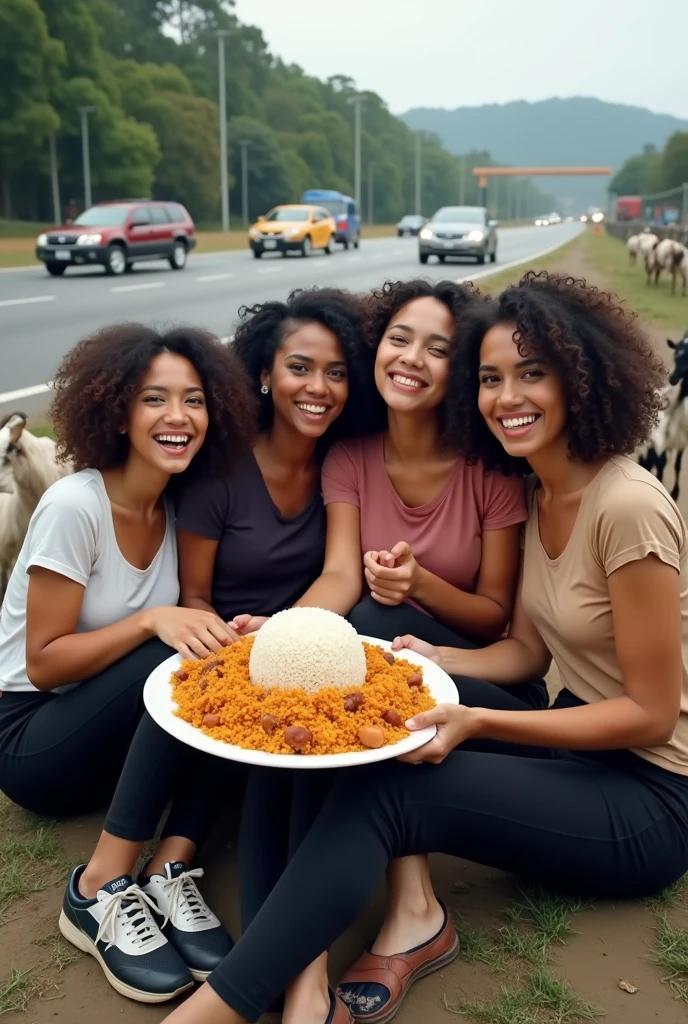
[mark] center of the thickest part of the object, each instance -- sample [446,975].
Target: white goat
[648,240]
[670,436]
[679,268]
[632,247]
[660,258]
[27,469]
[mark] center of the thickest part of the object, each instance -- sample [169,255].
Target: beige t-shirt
[625,514]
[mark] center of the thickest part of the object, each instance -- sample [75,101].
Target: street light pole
[462,171]
[371,187]
[55,181]
[357,150]
[418,189]
[222,90]
[85,152]
[244,143]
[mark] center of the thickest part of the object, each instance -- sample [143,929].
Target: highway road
[41,317]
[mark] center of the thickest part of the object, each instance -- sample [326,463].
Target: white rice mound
[308,647]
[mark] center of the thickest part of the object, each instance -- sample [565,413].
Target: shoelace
[131,907]
[183,895]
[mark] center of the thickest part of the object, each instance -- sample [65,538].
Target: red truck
[629,208]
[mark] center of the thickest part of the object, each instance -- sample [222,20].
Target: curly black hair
[609,371]
[98,378]
[381,305]
[264,327]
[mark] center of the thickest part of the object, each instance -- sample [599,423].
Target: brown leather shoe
[340,1013]
[396,974]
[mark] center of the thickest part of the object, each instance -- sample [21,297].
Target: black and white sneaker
[189,923]
[120,931]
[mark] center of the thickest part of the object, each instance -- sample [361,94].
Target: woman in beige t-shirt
[589,796]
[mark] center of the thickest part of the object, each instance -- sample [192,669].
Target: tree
[268,176]
[675,160]
[639,175]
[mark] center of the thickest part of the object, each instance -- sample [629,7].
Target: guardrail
[625,228]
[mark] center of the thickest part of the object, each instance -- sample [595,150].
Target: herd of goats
[657,256]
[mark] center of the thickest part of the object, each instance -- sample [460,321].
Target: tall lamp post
[86,152]
[222,104]
[54,180]
[418,170]
[244,143]
[356,100]
[371,189]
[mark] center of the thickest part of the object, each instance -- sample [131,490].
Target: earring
[264,389]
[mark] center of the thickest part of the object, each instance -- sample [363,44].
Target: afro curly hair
[99,377]
[609,371]
[264,327]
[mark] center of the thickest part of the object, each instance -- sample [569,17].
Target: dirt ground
[509,941]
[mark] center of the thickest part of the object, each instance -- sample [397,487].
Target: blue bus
[343,209]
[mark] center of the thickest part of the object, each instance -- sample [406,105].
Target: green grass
[31,854]
[16,991]
[20,228]
[670,952]
[608,256]
[538,999]
[60,952]
[501,280]
[675,895]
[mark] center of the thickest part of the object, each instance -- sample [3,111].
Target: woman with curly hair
[567,386]
[251,541]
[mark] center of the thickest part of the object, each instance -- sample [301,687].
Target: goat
[671,433]
[679,268]
[661,257]
[27,469]
[632,247]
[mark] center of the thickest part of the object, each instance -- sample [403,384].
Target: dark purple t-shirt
[264,562]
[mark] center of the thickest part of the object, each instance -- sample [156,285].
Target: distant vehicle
[343,209]
[296,228]
[554,218]
[459,231]
[629,208]
[569,220]
[410,225]
[118,234]
[542,222]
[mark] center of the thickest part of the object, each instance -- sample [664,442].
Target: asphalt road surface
[41,317]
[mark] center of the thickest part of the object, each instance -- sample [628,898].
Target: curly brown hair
[609,371]
[98,378]
[381,304]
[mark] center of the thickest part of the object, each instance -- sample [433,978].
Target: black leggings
[270,831]
[62,754]
[608,824]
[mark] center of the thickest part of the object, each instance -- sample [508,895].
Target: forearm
[73,658]
[197,602]
[334,591]
[474,613]
[506,662]
[615,724]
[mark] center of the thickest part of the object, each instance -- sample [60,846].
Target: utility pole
[418,170]
[244,143]
[684,211]
[462,174]
[357,150]
[55,181]
[222,89]
[371,188]
[86,153]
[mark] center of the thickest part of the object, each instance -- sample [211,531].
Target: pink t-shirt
[446,534]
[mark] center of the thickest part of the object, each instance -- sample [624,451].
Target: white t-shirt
[72,533]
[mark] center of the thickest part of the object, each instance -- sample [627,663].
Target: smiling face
[521,398]
[168,418]
[308,381]
[412,361]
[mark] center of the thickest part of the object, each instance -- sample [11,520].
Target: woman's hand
[455,724]
[193,633]
[412,643]
[392,575]
[245,624]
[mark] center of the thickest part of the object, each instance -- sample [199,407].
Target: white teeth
[317,409]
[173,438]
[518,421]
[409,382]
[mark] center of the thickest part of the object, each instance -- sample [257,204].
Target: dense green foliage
[652,172]
[150,70]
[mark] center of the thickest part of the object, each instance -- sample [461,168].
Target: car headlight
[293,232]
[475,236]
[426,233]
[88,239]
[42,240]
[254,233]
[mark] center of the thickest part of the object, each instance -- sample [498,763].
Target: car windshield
[459,215]
[333,206]
[103,216]
[410,219]
[288,213]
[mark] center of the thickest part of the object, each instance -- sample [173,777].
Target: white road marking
[23,302]
[498,267]
[16,396]
[269,270]
[214,277]
[138,287]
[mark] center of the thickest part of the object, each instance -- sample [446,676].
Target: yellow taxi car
[297,227]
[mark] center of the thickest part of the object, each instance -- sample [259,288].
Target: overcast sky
[451,53]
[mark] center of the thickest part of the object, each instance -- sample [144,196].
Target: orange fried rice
[220,686]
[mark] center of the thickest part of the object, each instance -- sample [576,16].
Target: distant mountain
[557,132]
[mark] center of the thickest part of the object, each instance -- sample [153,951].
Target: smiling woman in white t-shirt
[91,606]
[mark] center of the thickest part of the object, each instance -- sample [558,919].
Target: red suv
[116,235]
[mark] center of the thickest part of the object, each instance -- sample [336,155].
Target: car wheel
[306,247]
[357,242]
[423,257]
[441,258]
[179,255]
[400,234]
[115,261]
[56,269]
[493,256]
[257,253]
[481,260]
[345,243]
[328,247]
[130,267]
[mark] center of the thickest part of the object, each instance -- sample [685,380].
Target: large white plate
[157,696]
